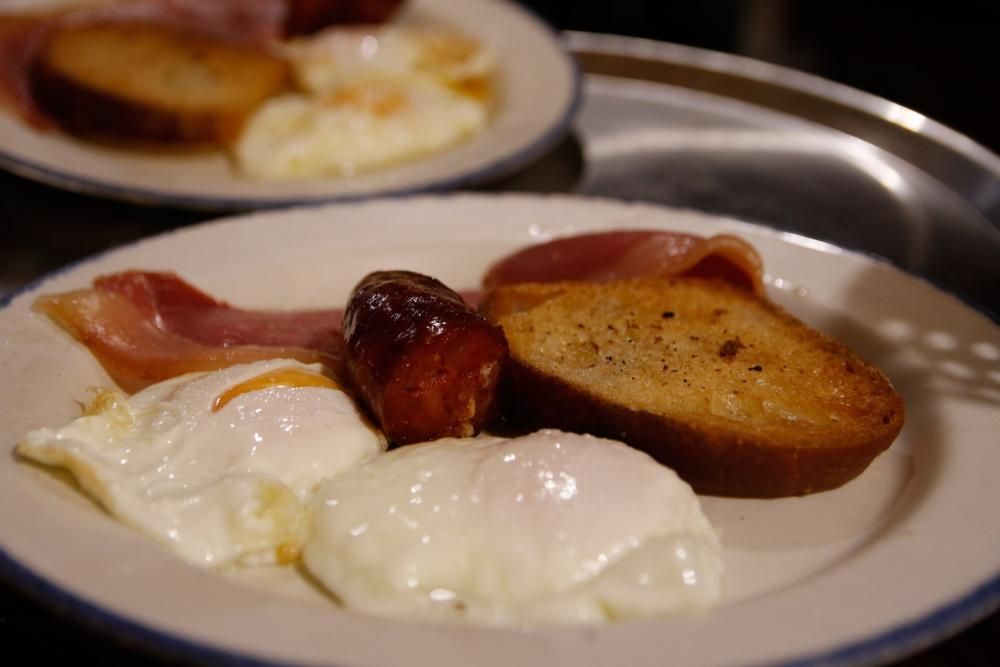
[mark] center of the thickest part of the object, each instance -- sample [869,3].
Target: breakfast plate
[901,557]
[537,90]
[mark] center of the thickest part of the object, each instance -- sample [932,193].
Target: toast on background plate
[734,393]
[152,83]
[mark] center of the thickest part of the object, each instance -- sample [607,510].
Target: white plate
[538,92]
[902,556]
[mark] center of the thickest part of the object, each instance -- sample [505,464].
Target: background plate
[538,88]
[864,573]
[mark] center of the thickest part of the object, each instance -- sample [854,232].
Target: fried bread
[727,388]
[152,83]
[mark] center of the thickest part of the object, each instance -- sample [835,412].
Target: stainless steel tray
[705,130]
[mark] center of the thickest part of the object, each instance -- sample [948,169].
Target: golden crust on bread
[731,391]
[152,83]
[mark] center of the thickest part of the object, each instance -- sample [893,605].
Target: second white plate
[538,91]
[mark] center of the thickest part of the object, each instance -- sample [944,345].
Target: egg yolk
[375,99]
[289,377]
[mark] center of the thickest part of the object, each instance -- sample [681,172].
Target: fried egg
[548,528]
[348,56]
[369,98]
[218,466]
[353,129]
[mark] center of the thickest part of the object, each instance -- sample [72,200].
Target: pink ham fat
[149,326]
[146,327]
[23,37]
[604,256]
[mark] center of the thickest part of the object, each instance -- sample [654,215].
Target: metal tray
[660,123]
[705,130]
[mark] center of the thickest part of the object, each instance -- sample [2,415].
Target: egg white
[216,487]
[345,56]
[354,130]
[369,98]
[547,528]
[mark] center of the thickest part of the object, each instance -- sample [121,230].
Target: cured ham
[146,327]
[149,326]
[306,16]
[182,309]
[22,37]
[605,256]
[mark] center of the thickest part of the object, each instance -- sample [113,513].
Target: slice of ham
[149,326]
[23,37]
[605,256]
[307,16]
[146,327]
[181,309]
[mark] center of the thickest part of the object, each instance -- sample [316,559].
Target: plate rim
[500,166]
[936,624]
[894,643]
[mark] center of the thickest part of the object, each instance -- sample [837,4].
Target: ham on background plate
[23,36]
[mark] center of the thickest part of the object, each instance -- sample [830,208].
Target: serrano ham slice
[183,310]
[146,327]
[22,37]
[306,16]
[606,256]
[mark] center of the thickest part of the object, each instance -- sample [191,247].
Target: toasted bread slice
[731,391]
[152,83]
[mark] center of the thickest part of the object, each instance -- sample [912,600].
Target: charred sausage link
[307,16]
[424,363]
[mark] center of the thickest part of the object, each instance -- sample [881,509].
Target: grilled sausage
[308,16]
[424,363]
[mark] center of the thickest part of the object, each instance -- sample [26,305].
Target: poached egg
[551,527]
[368,98]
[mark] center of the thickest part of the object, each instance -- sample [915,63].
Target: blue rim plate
[539,91]
[901,557]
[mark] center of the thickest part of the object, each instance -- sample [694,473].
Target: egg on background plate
[219,466]
[547,528]
[354,129]
[347,56]
[370,97]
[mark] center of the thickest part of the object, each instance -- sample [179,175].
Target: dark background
[940,59]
